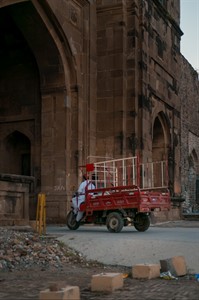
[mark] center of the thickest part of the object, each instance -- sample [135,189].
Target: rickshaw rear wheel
[141,222]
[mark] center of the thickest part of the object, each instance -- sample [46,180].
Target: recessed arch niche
[160,150]
[38,76]
[17,154]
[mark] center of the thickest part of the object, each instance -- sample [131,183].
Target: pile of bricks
[109,282]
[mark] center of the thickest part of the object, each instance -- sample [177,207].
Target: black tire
[141,222]
[71,221]
[114,222]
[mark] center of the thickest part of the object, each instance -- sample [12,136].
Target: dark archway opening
[159,153]
[35,64]
[20,101]
[158,141]
[18,154]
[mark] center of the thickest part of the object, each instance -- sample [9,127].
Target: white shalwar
[77,200]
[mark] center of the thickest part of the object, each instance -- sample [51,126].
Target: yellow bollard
[44,213]
[41,214]
[37,213]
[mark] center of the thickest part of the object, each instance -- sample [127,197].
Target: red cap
[90,167]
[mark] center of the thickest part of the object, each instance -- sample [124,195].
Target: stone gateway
[82,81]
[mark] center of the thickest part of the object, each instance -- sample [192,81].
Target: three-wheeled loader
[126,193]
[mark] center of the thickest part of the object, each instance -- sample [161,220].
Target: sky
[189,24]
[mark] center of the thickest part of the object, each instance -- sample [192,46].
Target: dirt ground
[28,284]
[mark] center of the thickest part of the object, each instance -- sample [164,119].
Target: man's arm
[81,189]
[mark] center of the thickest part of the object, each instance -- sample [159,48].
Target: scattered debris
[24,250]
[167,275]
[197,277]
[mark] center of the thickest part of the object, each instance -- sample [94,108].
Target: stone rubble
[21,250]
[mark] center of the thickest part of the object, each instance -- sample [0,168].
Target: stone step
[191,216]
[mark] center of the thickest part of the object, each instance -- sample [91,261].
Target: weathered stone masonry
[189,93]
[84,80]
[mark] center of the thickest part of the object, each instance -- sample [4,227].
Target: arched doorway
[20,101]
[158,148]
[17,154]
[160,142]
[38,74]
[192,201]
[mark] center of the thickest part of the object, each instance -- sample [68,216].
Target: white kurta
[77,200]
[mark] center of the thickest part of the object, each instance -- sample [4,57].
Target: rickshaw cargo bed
[126,197]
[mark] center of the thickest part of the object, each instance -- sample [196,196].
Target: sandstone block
[67,293]
[176,265]
[146,271]
[107,282]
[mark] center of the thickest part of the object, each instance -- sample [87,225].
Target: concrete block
[176,265]
[146,271]
[67,293]
[107,282]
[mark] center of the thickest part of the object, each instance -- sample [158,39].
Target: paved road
[130,247]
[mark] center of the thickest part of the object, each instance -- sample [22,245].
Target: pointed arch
[161,137]
[160,146]
[194,157]
[17,151]
[193,180]
[42,95]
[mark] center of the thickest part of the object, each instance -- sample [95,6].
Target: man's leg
[75,205]
[80,213]
[79,216]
